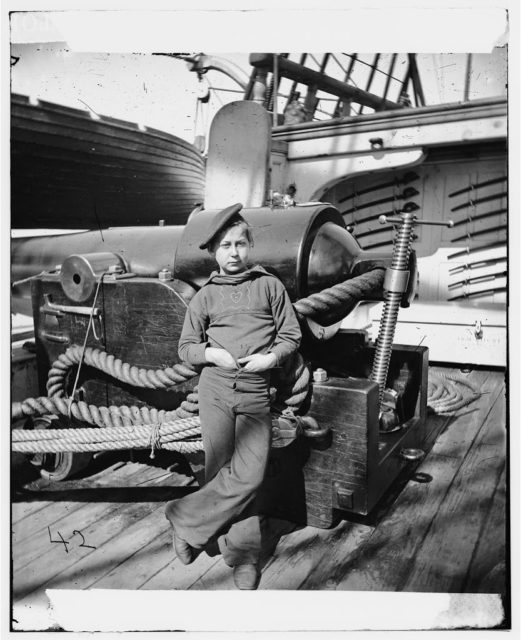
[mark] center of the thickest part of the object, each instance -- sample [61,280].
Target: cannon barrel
[307,247]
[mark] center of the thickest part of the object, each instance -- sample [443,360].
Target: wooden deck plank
[211,572]
[53,559]
[446,551]
[141,565]
[94,564]
[68,519]
[305,551]
[27,501]
[381,561]
[220,576]
[175,575]
[143,560]
[487,571]
[85,572]
[53,511]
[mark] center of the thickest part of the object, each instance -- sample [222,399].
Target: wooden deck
[441,530]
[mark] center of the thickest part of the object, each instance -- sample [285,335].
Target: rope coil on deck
[448,393]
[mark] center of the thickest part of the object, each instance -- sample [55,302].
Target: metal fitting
[115,268]
[165,275]
[376,143]
[319,375]
[396,280]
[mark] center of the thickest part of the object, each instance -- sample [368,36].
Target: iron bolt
[319,375]
[165,275]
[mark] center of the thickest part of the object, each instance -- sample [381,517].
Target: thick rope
[337,301]
[145,378]
[293,382]
[174,436]
[112,416]
[448,393]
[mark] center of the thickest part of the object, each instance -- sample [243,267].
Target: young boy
[240,325]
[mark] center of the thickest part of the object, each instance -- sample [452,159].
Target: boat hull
[70,170]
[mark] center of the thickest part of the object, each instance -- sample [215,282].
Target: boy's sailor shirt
[245,314]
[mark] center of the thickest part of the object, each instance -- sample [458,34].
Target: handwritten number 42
[66,543]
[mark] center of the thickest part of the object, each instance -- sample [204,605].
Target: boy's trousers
[236,431]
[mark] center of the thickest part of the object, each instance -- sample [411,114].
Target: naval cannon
[119,297]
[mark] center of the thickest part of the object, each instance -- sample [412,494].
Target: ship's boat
[74,170]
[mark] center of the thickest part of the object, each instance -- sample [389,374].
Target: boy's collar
[248,274]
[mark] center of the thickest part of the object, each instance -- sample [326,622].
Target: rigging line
[315,60]
[367,64]
[228,90]
[285,95]
[89,325]
[344,69]
[217,96]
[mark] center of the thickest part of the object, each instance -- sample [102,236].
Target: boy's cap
[219,222]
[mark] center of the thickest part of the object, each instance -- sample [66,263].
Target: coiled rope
[123,423]
[124,372]
[448,393]
[126,427]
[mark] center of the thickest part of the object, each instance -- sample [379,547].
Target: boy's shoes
[183,550]
[246,576]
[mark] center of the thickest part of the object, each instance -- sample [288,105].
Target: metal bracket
[342,496]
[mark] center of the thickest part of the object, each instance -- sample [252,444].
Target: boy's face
[231,251]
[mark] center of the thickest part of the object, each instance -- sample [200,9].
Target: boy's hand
[220,357]
[258,362]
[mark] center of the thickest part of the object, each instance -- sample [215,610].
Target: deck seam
[454,478]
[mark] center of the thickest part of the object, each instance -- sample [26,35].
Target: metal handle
[54,309]
[383,219]
[53,337]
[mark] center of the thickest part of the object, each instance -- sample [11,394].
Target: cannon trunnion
[136,313]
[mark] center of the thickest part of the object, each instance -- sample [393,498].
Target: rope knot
[155,439]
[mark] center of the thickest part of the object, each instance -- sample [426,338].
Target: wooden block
[348,407]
